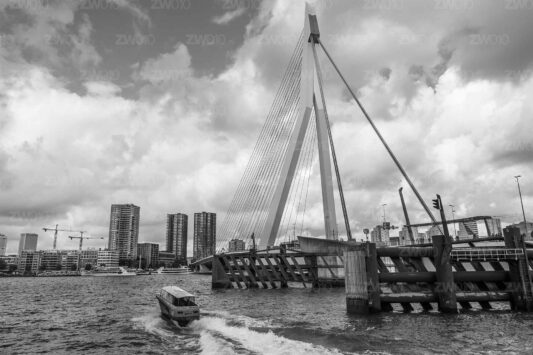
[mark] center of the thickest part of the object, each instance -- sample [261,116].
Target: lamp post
[521,203]
[453,219]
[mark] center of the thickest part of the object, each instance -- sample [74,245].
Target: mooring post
[519,273]
[361,279]
[445,285]
[356,281]
[219,278]
[374,298]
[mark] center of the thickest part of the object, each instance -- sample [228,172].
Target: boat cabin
[177,297]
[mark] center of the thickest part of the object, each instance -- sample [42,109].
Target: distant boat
[178,305]
[174,270]
[110,271]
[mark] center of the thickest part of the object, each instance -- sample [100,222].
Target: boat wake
[220,333]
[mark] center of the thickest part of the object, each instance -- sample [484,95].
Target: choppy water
[120,315]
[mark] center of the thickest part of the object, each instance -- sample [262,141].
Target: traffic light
[436,204]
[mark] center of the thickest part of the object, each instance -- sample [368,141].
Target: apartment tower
[124,230]
[177,236]
[205,226]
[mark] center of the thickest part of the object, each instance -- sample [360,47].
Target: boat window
[183,302]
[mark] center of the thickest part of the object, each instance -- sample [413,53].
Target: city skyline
[107,241]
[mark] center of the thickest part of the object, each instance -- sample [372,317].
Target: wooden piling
[362,279]
[445,285]
[356,281]
[374,291]
[520,287]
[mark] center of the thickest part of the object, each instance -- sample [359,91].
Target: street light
[521,203]
[453,219]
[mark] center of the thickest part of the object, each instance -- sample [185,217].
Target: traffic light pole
[438,205]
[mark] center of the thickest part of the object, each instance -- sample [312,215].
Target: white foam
[218,337]
[240,319]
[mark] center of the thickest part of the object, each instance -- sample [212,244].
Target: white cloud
[229,16]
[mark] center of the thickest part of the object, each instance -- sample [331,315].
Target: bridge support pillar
[219,278]
[445,285]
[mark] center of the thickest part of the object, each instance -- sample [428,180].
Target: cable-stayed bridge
[271,200]
[272,197]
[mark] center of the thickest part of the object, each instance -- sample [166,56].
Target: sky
[159,103]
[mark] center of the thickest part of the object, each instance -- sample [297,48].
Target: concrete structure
[28,241]
[205,225]
[420,238]
[404,235]
[166,258]
[434,230]
[70,259]
[150,253]
[88,256]
[49,260]
[108,258]
[12,259]
[236,245]
[494,227]
[394,241]
[177,235]
[468,230]
[124,230]
[3,245]
[522,228]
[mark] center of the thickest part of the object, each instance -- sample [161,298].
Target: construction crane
[59,230]
[81,238]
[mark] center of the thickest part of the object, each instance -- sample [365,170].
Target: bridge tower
[310,78]
[259,203]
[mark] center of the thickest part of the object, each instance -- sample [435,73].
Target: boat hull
[182,315]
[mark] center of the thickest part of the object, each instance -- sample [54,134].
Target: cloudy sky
[159,103]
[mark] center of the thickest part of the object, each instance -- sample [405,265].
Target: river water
[120,315]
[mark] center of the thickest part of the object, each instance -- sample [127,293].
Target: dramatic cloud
[86,121]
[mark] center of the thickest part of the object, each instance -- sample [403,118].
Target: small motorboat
[177,304]
[177,270]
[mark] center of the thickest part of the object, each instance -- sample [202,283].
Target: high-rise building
[236,245]
[205,226]
[124,230]
[28,241]
[150,253]
[3,244]
[177,236]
